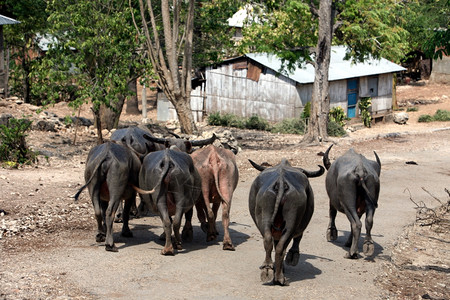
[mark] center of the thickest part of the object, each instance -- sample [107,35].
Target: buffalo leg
[101,230]
[280,251]
[227,244]
[356,233]
[332,231]
[267,266]
[368,246]
[294,253]
[119,214]
[188,232]
[201,214]
[167,225]
[109,220]
[176,224]
[126,232]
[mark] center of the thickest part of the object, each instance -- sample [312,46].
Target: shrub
[364,105]
[442,115]
[334,129]
[13,149]
[306,110]
[293,126]
[337,115]
[425,118]
[412,109]
[256,122]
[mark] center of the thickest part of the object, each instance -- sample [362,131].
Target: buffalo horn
[155,139]
[256,166]
[378,159]
[204,142]
[314,173]
[326,160]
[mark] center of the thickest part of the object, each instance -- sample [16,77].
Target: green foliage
[337,115]
[425,119]
[442,115]
[413,108]
[13,149]
[335,129]
[93,56]
[364,105]
[226,120]
[256,122]
[292,126]
[306,110]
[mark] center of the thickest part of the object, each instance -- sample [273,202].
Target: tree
[23,38]
[428,23]
[170,44]
[289,29]
[95,49]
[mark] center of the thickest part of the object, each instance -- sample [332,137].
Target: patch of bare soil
[420,260]
[38,215]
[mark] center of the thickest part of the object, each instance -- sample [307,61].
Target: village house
[254,84]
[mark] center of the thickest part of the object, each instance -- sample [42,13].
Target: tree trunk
[132,101]
[184,114]
[320,101]
[26,78]
[110,117]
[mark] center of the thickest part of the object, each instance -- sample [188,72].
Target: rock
[44,125]
[4,119]
[401,117]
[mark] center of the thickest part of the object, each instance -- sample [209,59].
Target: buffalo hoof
[266,274]
[331,234]
[118,218]
[368,248]
[127,233]
[204,227]
[228,246]
[351,256]
[187,234]
[177,246]
[210,237]
[292,258]
[282,282]
[100,237]
[167,251]
[111,248]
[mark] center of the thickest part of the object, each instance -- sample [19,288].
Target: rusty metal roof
[5,20]
[339,67]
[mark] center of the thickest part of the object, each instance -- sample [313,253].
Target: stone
[401,118]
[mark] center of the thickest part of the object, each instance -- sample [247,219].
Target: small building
[4,70]
[254,84]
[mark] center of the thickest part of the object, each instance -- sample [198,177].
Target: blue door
[352,97]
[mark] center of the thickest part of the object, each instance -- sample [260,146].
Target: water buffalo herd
[172,176]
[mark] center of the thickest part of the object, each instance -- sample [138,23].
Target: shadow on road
[343,236]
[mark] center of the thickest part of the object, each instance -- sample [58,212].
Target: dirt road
[79,268]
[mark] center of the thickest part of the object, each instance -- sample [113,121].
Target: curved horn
[155,139]
[256,166]
[175,135]
[314,173]
[204,142]
[378,159]
[326,160]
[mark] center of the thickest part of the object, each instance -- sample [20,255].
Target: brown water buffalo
[281,203]
[111,171]
[176,186]
[219,173]
[353,186]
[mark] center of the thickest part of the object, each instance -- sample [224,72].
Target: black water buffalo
[353,186]
[111,172]
[133,137]
[182,144]
[219,173]
[176,186]
[281,203]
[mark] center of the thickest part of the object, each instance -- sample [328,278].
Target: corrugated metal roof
[339,68]
[5,20]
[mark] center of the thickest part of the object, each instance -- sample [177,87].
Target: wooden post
[144,104]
